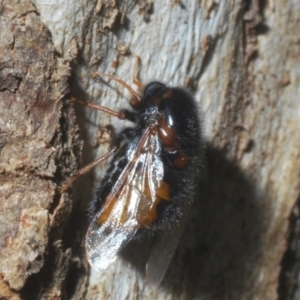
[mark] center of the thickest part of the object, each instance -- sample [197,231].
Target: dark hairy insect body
[179,151]
[151,180]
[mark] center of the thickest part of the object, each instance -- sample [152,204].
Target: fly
[151,180]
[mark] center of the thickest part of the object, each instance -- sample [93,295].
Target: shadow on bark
[289,286]
[221,244]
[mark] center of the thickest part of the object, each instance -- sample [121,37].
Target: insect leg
[86,169]
[122,115]
[135,79]
[136,96]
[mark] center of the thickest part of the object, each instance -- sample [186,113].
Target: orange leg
[136,96]
[135,80]
[137,99]
[121,115]
[86,169]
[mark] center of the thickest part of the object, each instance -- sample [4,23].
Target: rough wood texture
[39,144]
[241,61]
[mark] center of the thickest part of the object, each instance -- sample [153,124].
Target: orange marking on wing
[163,191]
[126,213]
[107,211]
[162,194]
[147,219]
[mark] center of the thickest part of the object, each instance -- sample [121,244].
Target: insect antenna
[137,97]
[122,115]
[86,169]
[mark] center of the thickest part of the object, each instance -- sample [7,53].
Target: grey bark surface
[241,62]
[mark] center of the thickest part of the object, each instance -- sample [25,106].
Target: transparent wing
[161,254]
[163,249]
[131,205]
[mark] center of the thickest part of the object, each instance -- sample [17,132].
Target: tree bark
[241,62]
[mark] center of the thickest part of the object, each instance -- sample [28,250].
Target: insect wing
[161,254]
[163,249]
[104,241]
[131,204]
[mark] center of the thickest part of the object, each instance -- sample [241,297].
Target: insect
[151,180]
